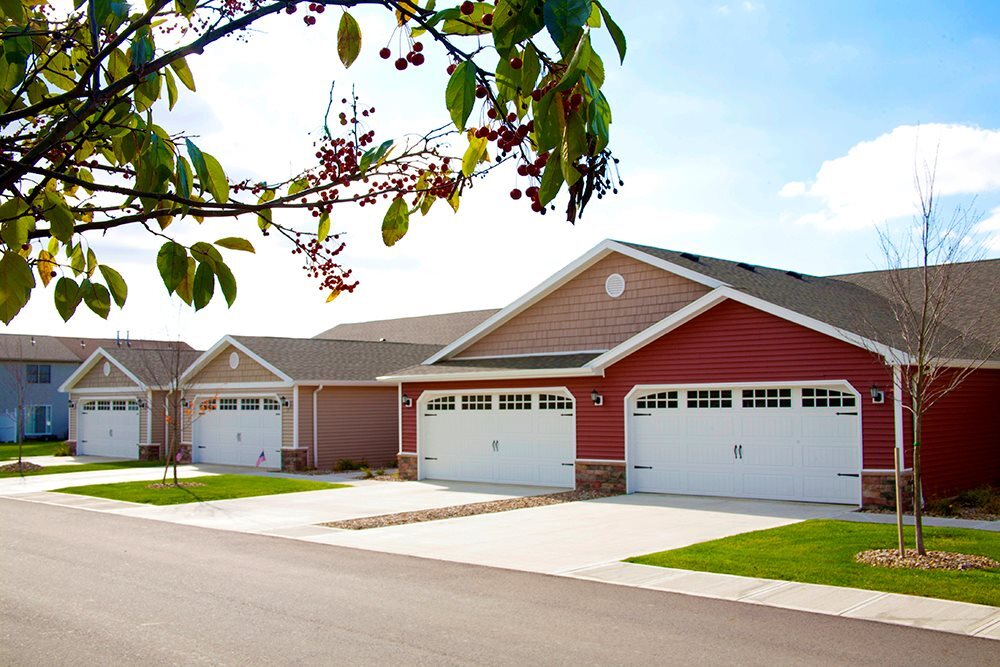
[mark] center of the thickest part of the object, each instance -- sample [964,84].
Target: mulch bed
[171,485]
[934,560]
[24,466]
[969,513]
[472,509]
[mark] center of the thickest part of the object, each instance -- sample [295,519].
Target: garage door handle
[201,446]
[566,414]
[846,413]
[741,451]
[848,474]
[642,414]
[430,458]
[643,467]
[734,452]
[567,464]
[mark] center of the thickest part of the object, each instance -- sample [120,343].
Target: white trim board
[214,351]
[90,364]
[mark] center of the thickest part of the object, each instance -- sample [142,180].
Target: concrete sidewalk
[933,521]
[932,614]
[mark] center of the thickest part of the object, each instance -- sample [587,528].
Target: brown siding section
[305,418]
[581,316]
[357,423]
[96,378]
[159,412]
[218,370]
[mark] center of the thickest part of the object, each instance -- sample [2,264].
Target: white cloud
[874,181]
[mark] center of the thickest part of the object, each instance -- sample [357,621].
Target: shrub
[61,450]
[343,465]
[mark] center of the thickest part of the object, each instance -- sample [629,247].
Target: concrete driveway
[560,538]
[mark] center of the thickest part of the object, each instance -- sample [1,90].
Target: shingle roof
[857,303]
[306,359]
[154,367]
[66,348]
[427,329]
[84,347]
[539,362]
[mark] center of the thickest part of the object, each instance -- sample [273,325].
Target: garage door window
[477,402]
[515,401]
[443,403]
[767,398]
[103,406]
[553,402]
[661,400]
[227,403]
[710,398]
[249,404]
[271,404]
[826,398]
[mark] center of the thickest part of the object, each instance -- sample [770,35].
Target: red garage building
[648,370]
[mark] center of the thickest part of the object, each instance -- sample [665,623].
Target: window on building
[660,400]
[442,403]
[227,404]
[477,402]
[710,398]
[38,420]
[271,404]
[814,397]
[554,402]
[515,401]
[249,404]
[767,398]
[39,374]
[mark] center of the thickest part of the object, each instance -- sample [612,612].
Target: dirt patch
[934,560]
[24,466]
[171,485]
[472,509]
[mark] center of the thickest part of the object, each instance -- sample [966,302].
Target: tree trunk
[897,457]
[918,527]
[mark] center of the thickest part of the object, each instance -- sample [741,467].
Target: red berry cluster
[309,19]
[321,265]
[414,57]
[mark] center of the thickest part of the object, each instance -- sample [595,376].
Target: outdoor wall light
[142,404]
[407,401]
[596,397]
[71,404]
[185,403]
[878,396]
[284,402]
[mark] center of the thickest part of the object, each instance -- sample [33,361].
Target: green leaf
[514,21]
[473,154]
[573,145]
[171,260]
[264,219]
[16,283]
[577,64]
[67,297]
[91,262]
[12,9]
[15,232]
[295,187]
[235,243]
[374,156]
[198,160]
[508,79]
[564,19]
[460,95]
[183,73]
[600,121]
[549,119]
[552,180]
[119,290]
[530,69]
[183,177]
[396,222]
[616,33]
[218,185]
[348,40]
[59,216]
[185,288]
[171,89]
[77,261]
[204,286]
[227,282]
[324,227]
[97,298]
[206,253]
[187,7]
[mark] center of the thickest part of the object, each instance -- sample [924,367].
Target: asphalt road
[85,588]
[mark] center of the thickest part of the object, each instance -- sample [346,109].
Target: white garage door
[109,427]
[787,443]
[237,430]
[521,437]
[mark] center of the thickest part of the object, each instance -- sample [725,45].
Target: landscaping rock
[472,509]
[934,560]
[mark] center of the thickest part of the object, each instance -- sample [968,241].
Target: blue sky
[778,133]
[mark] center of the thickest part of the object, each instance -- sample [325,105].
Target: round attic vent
[234,360]
[615,285]
[107,369]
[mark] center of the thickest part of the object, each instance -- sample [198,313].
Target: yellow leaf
[333,295]
[402,17]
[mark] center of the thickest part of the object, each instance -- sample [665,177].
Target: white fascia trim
[431,394]
[238,386]
[518,374]
[337,383]
[565,353]
[743,385]
[90,363]
[213,351]
[560,278]
[97,391]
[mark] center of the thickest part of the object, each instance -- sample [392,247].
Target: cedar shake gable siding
[581,316]
[95,378]
[217,370]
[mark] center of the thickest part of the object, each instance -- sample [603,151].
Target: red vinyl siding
[729,343]
[961,444]
[357,423]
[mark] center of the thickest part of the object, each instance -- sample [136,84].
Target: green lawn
[216,487]
[84,467]
[8,451]
[822,552]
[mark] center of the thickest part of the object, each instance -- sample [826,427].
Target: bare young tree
[941,338]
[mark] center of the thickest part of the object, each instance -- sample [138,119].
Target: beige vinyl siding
[95,378]
[218,371]
[357,423]
[288,425]
[72,418]
[581,316]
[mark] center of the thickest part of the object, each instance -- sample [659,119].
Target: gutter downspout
[315,426]
[295,417]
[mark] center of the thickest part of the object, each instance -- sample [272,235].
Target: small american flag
[261,458]
[179,456]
